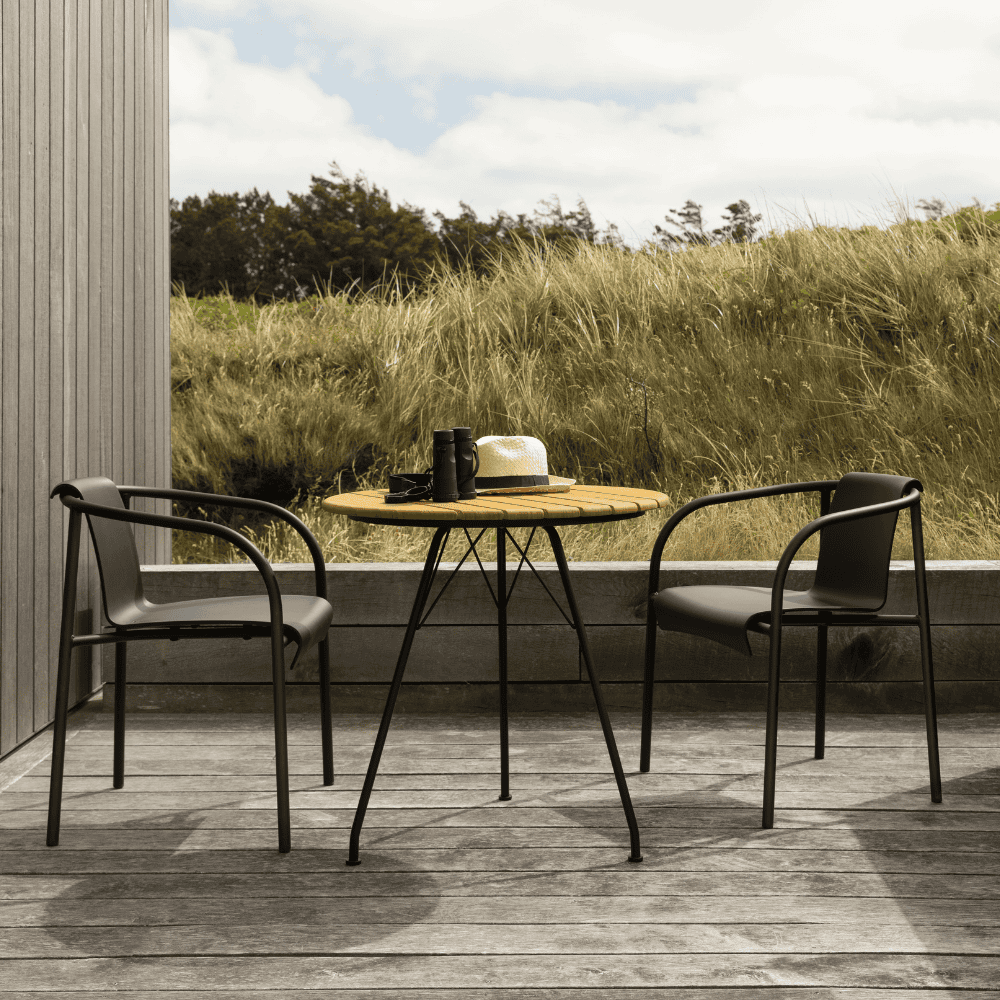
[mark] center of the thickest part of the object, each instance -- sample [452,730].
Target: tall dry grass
[804,356]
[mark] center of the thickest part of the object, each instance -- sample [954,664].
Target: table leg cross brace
[482,569]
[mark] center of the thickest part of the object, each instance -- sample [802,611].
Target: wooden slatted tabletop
[578,503]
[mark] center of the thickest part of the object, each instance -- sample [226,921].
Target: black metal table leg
[423,590]
[609,736]
[502,642]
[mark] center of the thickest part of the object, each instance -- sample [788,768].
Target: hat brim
[556,484]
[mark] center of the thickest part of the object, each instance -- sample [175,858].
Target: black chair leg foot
[118,778]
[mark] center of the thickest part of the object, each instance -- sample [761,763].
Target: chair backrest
[114,545]
[853,565]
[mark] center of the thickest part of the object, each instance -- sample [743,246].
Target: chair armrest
[718,498]
[856,514]
[222,500]
[186,524]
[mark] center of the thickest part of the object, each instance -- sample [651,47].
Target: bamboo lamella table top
[577,505]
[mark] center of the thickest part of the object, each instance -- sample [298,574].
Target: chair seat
[307,618]
[725,613]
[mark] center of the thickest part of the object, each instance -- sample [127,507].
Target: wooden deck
[173,885]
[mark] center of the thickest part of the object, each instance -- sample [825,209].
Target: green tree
[346,232]
[969,223]
[933,208]
[229,241]
[739,225]
[467,240]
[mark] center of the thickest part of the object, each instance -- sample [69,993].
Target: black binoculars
[451,476]
[456,462]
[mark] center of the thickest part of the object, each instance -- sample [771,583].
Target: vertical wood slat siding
[156,204]
[9,307]
[60,291]
[77,457]
[114,90]
[40,369]
[83,150]
[46,261]
[25,365]
[160,470]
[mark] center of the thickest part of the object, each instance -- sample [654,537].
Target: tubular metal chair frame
[822,620]
[120,635]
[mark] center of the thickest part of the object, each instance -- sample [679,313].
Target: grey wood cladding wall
[84,300]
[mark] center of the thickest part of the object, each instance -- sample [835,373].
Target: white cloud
[834,107]
[219,8]
[234,126]
[638,43]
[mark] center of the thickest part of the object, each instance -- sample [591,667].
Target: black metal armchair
[850,588]
[130,616]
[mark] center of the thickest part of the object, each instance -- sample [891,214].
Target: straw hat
[515,465]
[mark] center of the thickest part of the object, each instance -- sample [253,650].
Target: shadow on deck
[174,884]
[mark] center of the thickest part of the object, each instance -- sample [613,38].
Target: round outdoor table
[578,505]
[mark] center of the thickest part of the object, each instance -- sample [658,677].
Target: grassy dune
[803,356]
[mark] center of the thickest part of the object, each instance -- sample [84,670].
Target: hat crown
[511,456]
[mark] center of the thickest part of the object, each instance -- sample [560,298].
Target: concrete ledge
[454,660]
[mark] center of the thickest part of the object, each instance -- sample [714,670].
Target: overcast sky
[839,110]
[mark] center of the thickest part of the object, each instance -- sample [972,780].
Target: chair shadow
[221,898]
[908,886]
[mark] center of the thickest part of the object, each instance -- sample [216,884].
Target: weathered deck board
[199,838]
[979,867]
[507,909]
[485,798]
[503,993]
[511,818]
[172,886]
[488,938]
[607,973]
[539,778]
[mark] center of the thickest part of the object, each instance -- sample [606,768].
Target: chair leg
[280,742]
[646,738]
[821,648]
[62,679]
[930,710]
[326,721]
[926,663]
[118,781]
[771,737]
[59,743]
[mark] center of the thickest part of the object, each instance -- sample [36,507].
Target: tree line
[344,233]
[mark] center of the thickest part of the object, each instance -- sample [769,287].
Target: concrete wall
[84,305]
[454,660]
